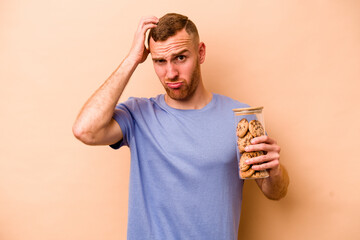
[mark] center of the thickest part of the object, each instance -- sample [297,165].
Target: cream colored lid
[248,110]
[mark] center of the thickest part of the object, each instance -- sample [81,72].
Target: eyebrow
[172,55]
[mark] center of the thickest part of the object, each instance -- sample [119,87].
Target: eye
[160,61]
[181,58]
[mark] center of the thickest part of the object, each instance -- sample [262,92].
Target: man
[184,181]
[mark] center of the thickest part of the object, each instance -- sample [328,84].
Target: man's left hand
[275,186]
[269,161]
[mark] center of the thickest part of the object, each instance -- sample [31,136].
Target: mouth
[174,85]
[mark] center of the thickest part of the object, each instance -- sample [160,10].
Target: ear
[202,52]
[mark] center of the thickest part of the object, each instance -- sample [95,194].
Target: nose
[171,71]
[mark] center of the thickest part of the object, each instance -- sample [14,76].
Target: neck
[198,100]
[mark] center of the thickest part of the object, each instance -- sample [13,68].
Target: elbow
[85,136]
[278,196]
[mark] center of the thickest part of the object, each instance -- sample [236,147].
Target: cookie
[257,153]
[242,165]
[260,174]
[244,141]
[256,174]
[244,168]
[247,174]
[245,156]
[242,127]
[256,129]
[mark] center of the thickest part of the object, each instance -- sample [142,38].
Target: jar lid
[248,110]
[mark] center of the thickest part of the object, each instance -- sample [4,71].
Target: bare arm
[94,124]
[275,186]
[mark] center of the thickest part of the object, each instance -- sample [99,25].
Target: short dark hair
[170,24]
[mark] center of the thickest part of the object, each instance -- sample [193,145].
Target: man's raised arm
[94,124]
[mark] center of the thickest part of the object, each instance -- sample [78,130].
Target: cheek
[185,68]
[159,71]
[188,68]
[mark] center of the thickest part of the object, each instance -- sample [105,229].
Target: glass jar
[249,123]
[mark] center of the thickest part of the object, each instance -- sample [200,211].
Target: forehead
[174,44]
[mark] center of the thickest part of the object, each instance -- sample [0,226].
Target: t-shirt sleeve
[124,118]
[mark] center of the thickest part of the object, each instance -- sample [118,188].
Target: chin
[178,97]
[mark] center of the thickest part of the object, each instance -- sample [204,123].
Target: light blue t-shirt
[184,181]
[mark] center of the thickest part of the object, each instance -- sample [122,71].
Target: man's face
[177,64]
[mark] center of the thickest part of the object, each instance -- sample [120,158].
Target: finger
[149,18]
[270,156]
[263,147]
[267,165]
[263,139]
[148,21]
[151,21]
[143,29]
[144,25]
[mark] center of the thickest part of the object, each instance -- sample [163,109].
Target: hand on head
[139,52]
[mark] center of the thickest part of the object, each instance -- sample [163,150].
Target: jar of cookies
[249,123]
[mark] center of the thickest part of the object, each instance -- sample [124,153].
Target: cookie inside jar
[249,124]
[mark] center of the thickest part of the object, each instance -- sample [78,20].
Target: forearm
[93,125]
[99,108]
[275,186]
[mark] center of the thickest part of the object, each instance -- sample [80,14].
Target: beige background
[299,59]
